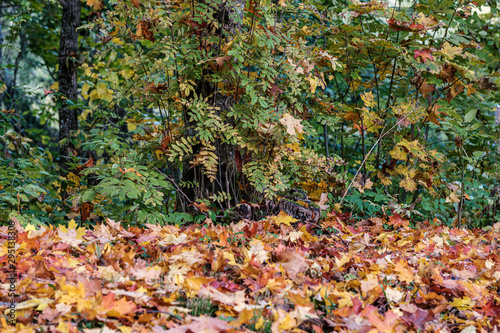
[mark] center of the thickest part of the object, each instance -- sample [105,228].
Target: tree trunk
[225,181]
[68,64]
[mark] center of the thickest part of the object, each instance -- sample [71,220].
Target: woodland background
[225,135]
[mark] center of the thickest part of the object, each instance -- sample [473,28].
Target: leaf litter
[268,276]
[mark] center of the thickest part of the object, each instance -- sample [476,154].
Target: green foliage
[194,106]
[28,188]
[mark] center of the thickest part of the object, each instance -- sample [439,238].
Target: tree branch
[63,3]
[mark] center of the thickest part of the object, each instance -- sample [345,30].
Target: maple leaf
[387,325]
[95,4]
[106,39]
[452,198]
[367,98]
[485,83]
[403,271]
[118,308]
[274,89]
[418,318]
[144,30]
[369,284]
[293,262]
[292,124]
[38,303]
[202,206]
[397,221]
[86,211]
[283,218]
[258,252]
[136,3]
[470,89]
[408,184]
[404,26]
[454,90]
[450,51]
[425,89]
[428,22]
[399,154]
[71,235]
[333,61]
[447,73]
[362,183]
[424,55]
[434,114]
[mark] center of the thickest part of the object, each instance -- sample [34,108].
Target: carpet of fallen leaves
[267,276]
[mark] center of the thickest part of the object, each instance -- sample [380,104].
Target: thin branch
[179,190]
[367,155]
[63,3]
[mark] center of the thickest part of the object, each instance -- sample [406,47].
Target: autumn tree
[67,77]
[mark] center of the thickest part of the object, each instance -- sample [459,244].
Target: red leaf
[404,26]
[424,55]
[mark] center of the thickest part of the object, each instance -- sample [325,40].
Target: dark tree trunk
[68,64]
[226,176]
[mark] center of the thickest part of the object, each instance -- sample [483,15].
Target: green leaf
[131,189]
[88,196]
[470,116]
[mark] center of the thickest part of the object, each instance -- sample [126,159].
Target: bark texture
[226,175]
[68,64]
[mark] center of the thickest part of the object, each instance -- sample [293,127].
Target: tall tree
[68,64]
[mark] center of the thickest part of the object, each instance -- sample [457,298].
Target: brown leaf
[323,199]
[456,89]
[85,211]
[220,60]
[136,3]
[156,88]
[434,114]
[202,207]
[144,30]
[362,183]
[447,73]
[106,39]
[485,83]
[274,89]
[425,89]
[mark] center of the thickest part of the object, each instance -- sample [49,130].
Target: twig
[367,155]
[179,190]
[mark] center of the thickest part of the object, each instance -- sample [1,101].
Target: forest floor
[268,276]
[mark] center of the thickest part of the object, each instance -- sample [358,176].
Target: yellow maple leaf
[463,303]
[283,218]
[450,51]
[408,184]
[398,153]
[73,226]
[287,323]
[313,81]
[367,98]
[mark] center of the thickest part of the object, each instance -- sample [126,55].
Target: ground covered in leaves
[267,276]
